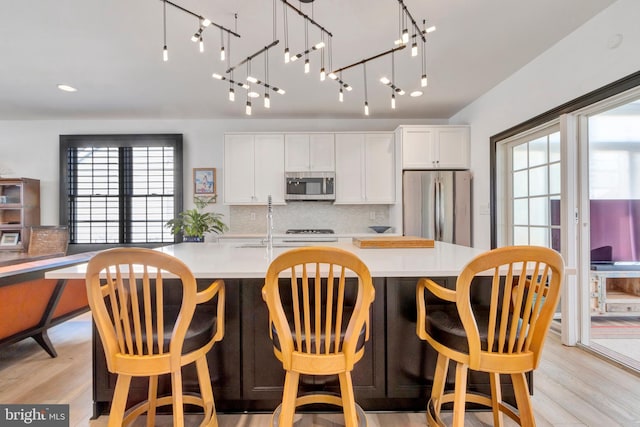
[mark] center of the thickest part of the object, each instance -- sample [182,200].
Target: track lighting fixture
[409,32]
[366,98]
[165,52]
[288,57]
[223,54]
[252,79]
[197,37]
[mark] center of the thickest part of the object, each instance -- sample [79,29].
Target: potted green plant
[193,223]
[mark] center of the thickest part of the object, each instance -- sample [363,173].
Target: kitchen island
[396,372]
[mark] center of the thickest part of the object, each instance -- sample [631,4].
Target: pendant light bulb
[323,75]
[423,80]
[267,101]
[307,67]
[414,49]
[232,94]
[366,108]
[405,36]
[201,45]
[165,54]
[393,101]
[287,55]
[341,95]
[223,54]
[247,109]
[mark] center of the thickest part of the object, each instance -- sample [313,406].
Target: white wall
[578,64]
[31,148]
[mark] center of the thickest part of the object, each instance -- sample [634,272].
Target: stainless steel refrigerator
[437,205]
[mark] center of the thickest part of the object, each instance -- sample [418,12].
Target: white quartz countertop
[229,260]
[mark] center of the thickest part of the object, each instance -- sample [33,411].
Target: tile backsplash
[341,218]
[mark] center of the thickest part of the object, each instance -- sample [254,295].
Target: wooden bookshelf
[19,210]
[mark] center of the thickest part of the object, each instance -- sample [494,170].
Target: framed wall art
[204,181]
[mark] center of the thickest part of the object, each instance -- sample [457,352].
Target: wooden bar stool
[142,337]
[318,300]
[504,337]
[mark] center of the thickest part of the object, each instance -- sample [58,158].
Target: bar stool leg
[348,400]
[521,391]
[460,394]
[178,403]
[152,397]
[119,402]
[208,404]
[289,395]
[496,399]
[439,379]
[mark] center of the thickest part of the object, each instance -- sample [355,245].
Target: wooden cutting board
[393,242]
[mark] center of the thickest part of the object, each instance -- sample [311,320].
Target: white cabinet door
[380,183]
[418,148]
[365,171]
[309,152]
[322,152]
[349,168]
[433,147]
[269,168]
[238,169]
[453,148]
[253,169]
[296,152]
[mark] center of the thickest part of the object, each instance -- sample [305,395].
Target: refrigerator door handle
[436,216]
[441,214]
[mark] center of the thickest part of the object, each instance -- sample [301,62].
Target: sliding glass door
[611,203]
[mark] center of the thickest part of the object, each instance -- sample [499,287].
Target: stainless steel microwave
[310,186]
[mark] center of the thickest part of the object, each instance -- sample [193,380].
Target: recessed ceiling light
[67,88]
[416,93]
[253,94]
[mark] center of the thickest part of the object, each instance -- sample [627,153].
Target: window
[531,188]
[120,189]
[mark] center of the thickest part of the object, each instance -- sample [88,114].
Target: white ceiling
[111,50]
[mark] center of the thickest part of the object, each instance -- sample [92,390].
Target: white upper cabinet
[309,152]
[365,168]
[434,147]
[253,169]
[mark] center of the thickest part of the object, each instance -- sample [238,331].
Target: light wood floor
[572,387]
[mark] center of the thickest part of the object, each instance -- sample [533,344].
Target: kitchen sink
[275,245]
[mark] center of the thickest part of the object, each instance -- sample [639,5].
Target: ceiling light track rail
[364,61]
[201,18]
[250,57]
[307,17]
